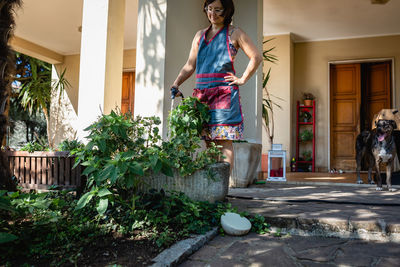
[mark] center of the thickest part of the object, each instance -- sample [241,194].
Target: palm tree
[7,24]
[36,86]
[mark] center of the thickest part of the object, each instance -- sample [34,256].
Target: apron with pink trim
[214,61]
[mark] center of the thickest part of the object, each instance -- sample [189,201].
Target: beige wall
[311,75]
[279,86]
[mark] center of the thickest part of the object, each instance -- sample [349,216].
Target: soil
[119,251]
[105,251]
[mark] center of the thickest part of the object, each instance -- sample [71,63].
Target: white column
[100,76]
[248,16]
[165,32]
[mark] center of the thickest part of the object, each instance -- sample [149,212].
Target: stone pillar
[100,76]
[166,29]
[248,16]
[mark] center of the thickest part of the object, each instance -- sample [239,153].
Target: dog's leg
[389,169]
[378,176]
[369,176]
[358,169]
[371,165]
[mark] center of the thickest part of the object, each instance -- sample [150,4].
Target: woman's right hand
[175,92]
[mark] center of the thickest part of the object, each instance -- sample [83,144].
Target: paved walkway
[266,250]
[321,225]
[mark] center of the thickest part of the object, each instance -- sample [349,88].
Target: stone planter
[209,184]
[247,158]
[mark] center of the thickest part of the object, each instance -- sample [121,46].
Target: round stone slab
[233,224]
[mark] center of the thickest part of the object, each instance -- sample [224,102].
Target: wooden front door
[345,105]
[378,89]
[128,92]
[358,92]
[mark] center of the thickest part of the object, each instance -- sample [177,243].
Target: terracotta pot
[307,102]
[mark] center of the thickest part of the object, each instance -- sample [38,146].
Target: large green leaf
[6,205]
[84,200]
[136,168]
[6,237]
[104,192]
[167,169]
[102,206]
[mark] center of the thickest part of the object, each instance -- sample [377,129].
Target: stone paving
[267,250]
[342,211]
[320,226]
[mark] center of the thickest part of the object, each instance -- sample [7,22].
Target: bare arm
[190,66]
[243,41]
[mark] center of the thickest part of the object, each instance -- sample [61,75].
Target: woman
[212,55]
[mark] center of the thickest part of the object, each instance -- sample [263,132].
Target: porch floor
[323,177]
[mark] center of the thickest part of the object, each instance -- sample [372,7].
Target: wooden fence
[40,170]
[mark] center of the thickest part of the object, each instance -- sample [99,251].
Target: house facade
[104,65]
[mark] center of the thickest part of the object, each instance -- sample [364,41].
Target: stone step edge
[377,230]
[326,184]
[178,252]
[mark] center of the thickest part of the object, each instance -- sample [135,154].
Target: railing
[40,170]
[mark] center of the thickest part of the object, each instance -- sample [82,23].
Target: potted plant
[305,115]
[308,98]
[307,155]
[306,135]
[268,104]
[127,155]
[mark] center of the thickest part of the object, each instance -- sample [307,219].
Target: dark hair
[229,9]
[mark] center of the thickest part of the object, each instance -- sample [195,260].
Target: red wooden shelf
[300,125]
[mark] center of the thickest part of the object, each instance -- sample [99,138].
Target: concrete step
[330,211]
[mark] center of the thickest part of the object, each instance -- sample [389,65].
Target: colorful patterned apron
[213,62]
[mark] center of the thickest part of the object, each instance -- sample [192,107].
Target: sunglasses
[217,11]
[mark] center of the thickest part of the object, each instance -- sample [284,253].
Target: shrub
[70,145]
[34,146]
[122,149]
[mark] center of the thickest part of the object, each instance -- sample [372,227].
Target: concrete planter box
[209,184]
[247,158]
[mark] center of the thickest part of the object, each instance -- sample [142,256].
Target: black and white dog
[376,147]
[384,151]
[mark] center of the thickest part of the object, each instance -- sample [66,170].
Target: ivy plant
[186,123]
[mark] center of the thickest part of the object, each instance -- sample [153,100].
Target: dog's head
[384,129]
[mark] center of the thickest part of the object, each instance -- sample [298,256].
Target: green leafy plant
[305,114]
[307,155]
[306,135]
[36,86]
[34,146]
[186,123]
[308,96]
[267,102]
[70,145]
[120,150]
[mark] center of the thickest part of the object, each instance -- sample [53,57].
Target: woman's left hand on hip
[232,79]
